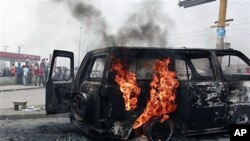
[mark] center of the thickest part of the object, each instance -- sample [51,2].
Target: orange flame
[162,94]
[127,82]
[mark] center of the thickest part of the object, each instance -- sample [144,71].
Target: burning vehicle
[127,92]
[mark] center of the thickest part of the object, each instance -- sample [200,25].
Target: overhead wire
[211,13]
[177,37]
[206,30]
[204,33]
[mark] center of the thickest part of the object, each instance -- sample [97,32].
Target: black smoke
[147,26]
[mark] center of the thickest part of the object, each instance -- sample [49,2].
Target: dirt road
[41,129]
[60,129]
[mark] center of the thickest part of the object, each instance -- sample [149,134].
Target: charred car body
[213,91]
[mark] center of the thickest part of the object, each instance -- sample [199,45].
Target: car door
[60,83]
[235,68]
[182,97]
[92,84]
[207,93]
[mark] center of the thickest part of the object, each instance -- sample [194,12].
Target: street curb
[28,116]
[18,89]
[13,117]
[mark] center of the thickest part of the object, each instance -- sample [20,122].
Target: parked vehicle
[212,92]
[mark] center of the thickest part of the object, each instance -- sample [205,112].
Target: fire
[162,91]
[162,94]
[127,82]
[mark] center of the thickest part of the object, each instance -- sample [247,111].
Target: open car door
[60,83]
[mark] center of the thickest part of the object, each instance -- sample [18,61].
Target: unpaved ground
[60,129]
[41,129]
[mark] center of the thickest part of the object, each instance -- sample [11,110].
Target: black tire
[155,130]
[79,106]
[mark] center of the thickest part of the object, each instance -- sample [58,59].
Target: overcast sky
[40,26]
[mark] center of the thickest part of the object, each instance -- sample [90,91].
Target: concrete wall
[8,80]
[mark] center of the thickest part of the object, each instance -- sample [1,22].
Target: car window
[181,70]
[61,69]
[142,67]
[233,67]
[97,68]
[82,72]
[203,68]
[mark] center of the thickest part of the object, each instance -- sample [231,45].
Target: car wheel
[155,130]
[78,106]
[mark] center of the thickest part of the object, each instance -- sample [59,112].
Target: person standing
[25,75]
[43,64]
[41,75]
[8,72]
[13,70]
[46,62]
[247,70]
[5,72]
[19,71]
[36,64]
[32,73]
[36,74]
[27,61]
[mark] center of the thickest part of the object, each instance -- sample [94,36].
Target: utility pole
[79,46]
[221,24]
[5,48]
[19,49]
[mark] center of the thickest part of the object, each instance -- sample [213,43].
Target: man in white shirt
[25,75]
[27,61]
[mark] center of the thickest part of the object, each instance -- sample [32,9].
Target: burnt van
[210,89]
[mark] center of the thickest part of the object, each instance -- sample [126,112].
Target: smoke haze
[147,26]
[40,26]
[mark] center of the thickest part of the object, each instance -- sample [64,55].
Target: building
[8,58]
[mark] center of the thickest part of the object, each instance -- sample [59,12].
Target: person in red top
[13,70]
[41,76]
[248,70]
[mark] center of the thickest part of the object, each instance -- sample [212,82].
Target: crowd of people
[5,72]
[30,73]
[33,73]
[61,73]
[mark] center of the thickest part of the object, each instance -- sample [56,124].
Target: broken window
[142,67]
[98,68]
[182,70]
[203,68]
[233,67]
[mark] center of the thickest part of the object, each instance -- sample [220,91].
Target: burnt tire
[155,130]
[79,106]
